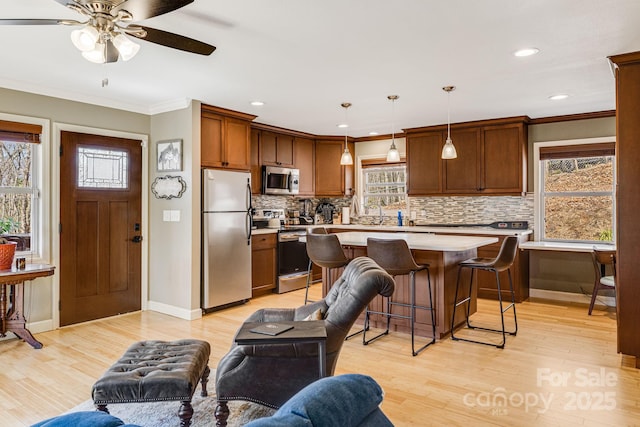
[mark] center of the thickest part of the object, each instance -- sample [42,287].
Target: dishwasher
[293,260]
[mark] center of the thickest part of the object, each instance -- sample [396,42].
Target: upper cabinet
[304,149]
[491,159]
[276,149]
[333,179]
[225,138]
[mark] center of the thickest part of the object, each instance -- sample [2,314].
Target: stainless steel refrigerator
[226,238]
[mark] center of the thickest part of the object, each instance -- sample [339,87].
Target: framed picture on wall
[169,154]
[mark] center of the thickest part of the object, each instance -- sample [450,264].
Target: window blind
[19,132]
[573,151]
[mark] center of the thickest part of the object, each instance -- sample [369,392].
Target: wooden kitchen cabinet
[256,168]
[264,252]
[423,163]
[333,179]
[225,138]
[304,153]
[276,149]
[491,158]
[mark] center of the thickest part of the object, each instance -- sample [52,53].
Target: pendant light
[449,150]
[393,155]
[346,158]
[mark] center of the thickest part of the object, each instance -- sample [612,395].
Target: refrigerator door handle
[249,207]
[248,227]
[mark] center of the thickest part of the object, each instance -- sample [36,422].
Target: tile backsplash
[436,210]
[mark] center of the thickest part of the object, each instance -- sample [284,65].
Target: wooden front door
[100,215]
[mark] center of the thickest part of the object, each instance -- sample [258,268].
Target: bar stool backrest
[325,250]
[392,255]
[317,230]
[507,253]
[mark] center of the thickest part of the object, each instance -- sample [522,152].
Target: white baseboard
[174,311]
[571,297]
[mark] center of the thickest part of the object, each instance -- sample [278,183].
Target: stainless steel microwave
[282,181]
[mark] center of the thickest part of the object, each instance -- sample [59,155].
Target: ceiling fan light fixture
[126,47]
[97,55]
[85,38]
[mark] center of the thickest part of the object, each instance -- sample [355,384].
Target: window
[384,185]
[18,188]
[577,192]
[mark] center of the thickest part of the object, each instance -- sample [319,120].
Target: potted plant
[7,248]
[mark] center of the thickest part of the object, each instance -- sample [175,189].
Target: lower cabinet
[264,252]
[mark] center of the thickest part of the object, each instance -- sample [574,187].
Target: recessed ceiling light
[257,103]
[558,97]
[526,52]
[373,133]
[343,125]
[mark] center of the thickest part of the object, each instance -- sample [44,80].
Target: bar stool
[502,262]
[324,250]
[395,257]
[600,259]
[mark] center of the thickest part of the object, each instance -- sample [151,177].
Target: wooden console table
[12,299]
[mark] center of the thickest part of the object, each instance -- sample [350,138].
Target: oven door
[292,257]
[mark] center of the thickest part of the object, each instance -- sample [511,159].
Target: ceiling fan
[102,37]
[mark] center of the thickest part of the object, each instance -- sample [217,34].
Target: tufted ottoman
[156,370]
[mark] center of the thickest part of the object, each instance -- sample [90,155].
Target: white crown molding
[169,105]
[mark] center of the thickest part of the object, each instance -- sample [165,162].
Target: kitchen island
[442,253]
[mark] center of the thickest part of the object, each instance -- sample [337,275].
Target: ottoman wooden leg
[102,408]
[185,413]
[204,380]
[222,414]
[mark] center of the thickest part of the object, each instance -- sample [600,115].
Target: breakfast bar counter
[442,253]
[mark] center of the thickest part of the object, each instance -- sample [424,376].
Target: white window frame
[40,233]
[360,188]
[539,185]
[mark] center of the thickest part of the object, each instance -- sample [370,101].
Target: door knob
[136,239]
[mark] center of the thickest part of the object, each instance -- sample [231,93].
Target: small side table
[303,332]
[12,299]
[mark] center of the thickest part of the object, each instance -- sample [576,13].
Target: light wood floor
[561,368]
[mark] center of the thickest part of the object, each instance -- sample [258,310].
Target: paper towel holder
[346,215]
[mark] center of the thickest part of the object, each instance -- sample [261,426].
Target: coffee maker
[306,216]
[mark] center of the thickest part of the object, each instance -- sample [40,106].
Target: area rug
[164,414]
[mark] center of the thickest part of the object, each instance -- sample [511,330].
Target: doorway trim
[55,207]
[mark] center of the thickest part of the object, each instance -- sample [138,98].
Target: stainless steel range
[293,261]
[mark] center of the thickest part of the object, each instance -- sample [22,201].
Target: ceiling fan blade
[39,22]
[143,9]
[111,53]
[175,41]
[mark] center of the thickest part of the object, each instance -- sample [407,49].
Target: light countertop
[421,229]
[566,247]
[264,231]
[429,242]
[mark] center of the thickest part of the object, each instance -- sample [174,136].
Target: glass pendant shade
[85,38]
[126,47]
[393,155]
[346,158]
[449,150]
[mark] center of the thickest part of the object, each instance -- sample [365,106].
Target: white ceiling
[303,58]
